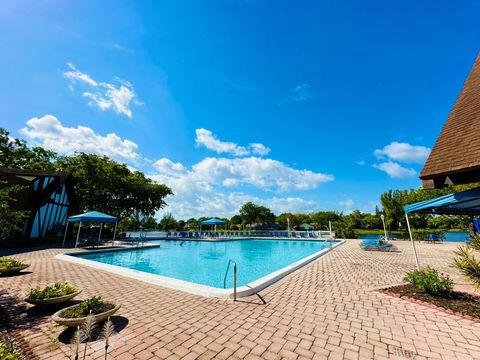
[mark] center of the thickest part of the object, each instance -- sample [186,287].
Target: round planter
[13,270]
[55,300]
[69,322]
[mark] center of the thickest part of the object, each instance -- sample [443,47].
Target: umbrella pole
[78,234]
[99,235]
[65,235]
[114,232]
[413,243]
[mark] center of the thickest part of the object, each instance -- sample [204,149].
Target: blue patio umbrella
[306,226]
[94,217]
[461,203]
[213,221]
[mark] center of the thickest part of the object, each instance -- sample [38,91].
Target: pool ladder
[234,278]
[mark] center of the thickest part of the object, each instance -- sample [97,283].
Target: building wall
[50,218]
[48,198]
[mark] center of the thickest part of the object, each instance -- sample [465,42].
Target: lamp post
[384,228]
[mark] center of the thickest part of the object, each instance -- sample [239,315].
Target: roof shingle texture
[458,145]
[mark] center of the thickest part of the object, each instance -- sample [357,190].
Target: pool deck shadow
[119,323]
[252,299]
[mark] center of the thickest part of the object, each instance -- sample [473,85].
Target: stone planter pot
[13,270]
[74,322]
[55,300]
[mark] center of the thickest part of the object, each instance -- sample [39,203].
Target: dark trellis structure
[47,196]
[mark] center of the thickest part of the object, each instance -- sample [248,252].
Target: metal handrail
[234,278]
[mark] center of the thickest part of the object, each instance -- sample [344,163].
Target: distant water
[451,236]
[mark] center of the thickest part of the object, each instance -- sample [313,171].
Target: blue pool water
[205,262]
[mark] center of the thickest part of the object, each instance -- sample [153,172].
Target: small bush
[468,262]
[94,305]
[55,290]
[429,281]
[9,263]
[6,354]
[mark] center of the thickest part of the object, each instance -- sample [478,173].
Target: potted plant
[76,315]
[11,265]
[7,354]
[53,294]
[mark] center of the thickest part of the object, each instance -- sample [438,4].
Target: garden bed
[459,303]
[9,266]
[53,294]
[77,314]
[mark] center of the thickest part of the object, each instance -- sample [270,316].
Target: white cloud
[184,205]
[403,152]
[259,149]
[301,93]
[168,167]
[105,95]
[395,170]
[209,140]
[75,75]
[201,189]
[265,174]
[51,134]
[360,162]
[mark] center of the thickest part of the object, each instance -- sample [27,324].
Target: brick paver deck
[326,310]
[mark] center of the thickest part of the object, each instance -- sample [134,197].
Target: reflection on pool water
[205,262]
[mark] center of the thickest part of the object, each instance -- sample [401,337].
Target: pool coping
[191,287]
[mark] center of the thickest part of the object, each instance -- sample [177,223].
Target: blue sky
[301,106]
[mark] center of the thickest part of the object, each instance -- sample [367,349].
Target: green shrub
[6,354]
[94,305]
[429,281]
[344,229]
[8,263]
[468,262]
[55,290]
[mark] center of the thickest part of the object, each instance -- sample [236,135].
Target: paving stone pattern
[327,310]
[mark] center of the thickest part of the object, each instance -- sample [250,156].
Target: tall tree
[285,218]
[252,214]
[180,225]
[167,223]
[10,218]
[321,218]
[15,153]
[102,184]
[191,224]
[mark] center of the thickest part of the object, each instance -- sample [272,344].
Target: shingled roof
[455,158]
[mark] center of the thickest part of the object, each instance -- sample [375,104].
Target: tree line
[252,216]
[345,225]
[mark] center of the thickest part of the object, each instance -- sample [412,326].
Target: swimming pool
[203,264]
